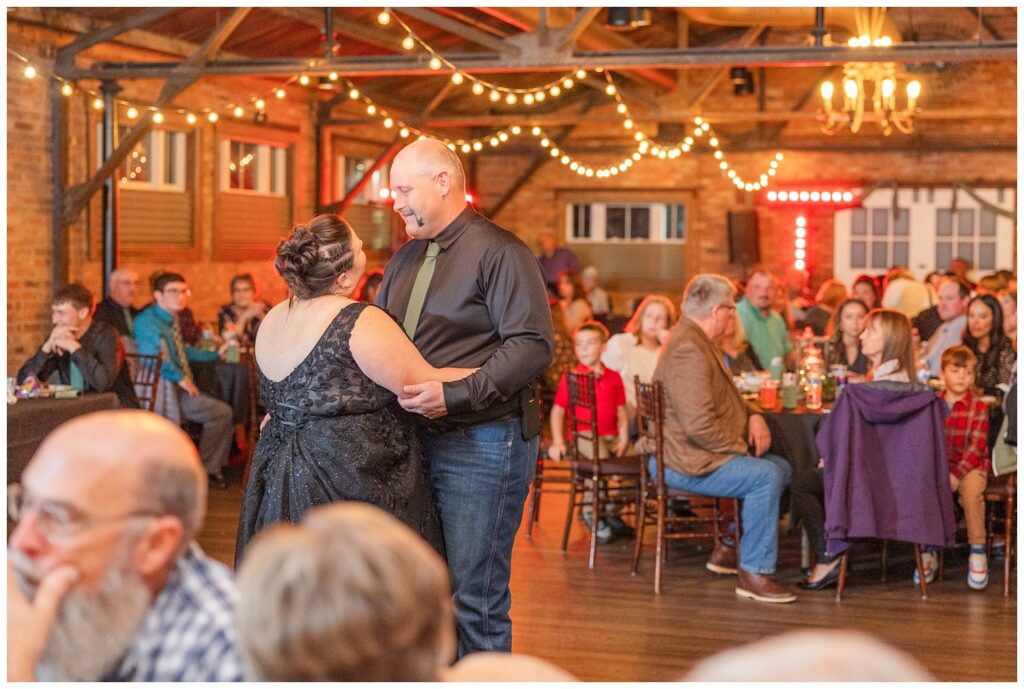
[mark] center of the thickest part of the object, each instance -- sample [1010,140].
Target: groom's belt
[499,411]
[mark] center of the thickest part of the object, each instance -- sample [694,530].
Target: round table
[31,420]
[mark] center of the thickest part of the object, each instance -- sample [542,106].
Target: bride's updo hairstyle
[314,254]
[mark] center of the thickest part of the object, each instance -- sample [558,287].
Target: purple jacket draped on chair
[885,472]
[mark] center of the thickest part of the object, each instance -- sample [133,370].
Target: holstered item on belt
[529,406]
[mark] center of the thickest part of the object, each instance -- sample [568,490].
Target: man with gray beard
[105,581]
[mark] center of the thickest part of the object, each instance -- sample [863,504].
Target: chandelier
[880,77]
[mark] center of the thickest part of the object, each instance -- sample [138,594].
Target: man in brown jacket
[709,431]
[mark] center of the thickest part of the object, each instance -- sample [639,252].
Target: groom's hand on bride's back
[426,399]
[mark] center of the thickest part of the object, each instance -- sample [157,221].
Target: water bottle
[231,355]
[776,368]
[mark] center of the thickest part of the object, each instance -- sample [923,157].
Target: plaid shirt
[189,633]
[966,432]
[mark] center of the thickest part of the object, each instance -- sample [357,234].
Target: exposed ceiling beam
[579,24]
[992,31]
[768,56]
[67,53]
[343,24]
[444,23]
[592,37]
[455,13]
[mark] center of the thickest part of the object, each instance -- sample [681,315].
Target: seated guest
[612,420]
[736,352]
[905,294]
[243,315]
[967,452]
[952,309]
[635,351]
[990,284]
[986,337]
[829,295]
[865,288]
[785,308]
[600,304]
[709,432]
[934,279]
[887,342]
[811,655]
[843,346]
[1008,300]
[766,330]
[796,294]
[368,287]
[573,300]
[1009,279]
[81,351]
[960,267]
[105,581]
[191,333]
[117,309]
[157,329]
[350,594]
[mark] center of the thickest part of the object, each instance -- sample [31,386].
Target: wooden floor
[603,624]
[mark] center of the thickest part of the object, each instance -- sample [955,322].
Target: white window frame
[157,143]
[923,205]
[371,192]
[598,223]
[271,168]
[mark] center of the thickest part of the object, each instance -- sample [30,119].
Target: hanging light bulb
[528,99]
[353,93]
[628,124]
[408,43]
[510,99]
[371,109]
[304,79]
[516,129]
[132,113]
[191,118]
[610,89]
[502,136]
[478,88]
[158,117]
[279,93]
[261,104]
[97,103]
[333,76]
[477,145]
[621,108]
[494,141]
[457,78]
[435,63]
[495,96]
[213,117]
[238,111]
[535,131]
[388,123]
[466,148]
[555,91]
[66,89]
[30,72]
[384,18]
[568,83]
[404,133]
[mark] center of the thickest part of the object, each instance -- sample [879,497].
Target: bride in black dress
[329,370]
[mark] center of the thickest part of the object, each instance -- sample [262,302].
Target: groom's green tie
[419,290]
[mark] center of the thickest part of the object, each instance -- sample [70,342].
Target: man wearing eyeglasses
[105,581]
[158,329]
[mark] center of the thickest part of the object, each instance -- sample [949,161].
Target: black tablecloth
[31,420]
[793,434]
[227,382]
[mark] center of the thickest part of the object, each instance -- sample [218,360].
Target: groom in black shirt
[470,294]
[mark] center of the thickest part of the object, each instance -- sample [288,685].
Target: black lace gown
[335,435]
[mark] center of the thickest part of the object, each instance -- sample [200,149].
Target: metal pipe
[329,32]
[490,63]
[109,89]
[819,29]
[59,155]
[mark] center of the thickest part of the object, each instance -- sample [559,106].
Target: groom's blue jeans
[481,475]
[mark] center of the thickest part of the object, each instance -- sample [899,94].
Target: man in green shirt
[766,331]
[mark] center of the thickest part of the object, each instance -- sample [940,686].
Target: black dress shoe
[830,579]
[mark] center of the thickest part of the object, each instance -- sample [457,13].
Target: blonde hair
[633,324]
[831,293]
[349,595]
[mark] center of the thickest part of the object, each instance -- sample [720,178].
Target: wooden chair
[548,476]
[613,480]
[144,370]
[1002,490]
[919,562]
[656,497]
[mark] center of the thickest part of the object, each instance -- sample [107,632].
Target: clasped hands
[426,399]
[63,338]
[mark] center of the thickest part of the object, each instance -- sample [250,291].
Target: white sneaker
[977,571]
[930,563]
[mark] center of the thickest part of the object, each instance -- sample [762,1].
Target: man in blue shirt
[157,329]
[105,581]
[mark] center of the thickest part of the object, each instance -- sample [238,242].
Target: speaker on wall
[743,237]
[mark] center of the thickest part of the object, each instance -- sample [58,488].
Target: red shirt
[609,392]
[966,433]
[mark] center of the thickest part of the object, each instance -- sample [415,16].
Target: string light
[97,103]
[384,18]
[30,72]
[213,117]
[191,118]
[158,117]
[132,113]
[279,93]
[66,89]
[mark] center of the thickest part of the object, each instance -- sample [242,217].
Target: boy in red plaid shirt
[967,451]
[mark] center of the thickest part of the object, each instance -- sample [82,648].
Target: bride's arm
[388,358]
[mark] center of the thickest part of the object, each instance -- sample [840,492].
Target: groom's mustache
[419,218]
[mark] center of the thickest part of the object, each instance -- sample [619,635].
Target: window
[157,161]
[253,167]
[351,169]
[879,238]
[626,222]
[967,233]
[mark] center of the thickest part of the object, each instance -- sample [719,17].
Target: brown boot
[761,587]
[722,560]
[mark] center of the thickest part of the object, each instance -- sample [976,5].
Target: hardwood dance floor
[603,624]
